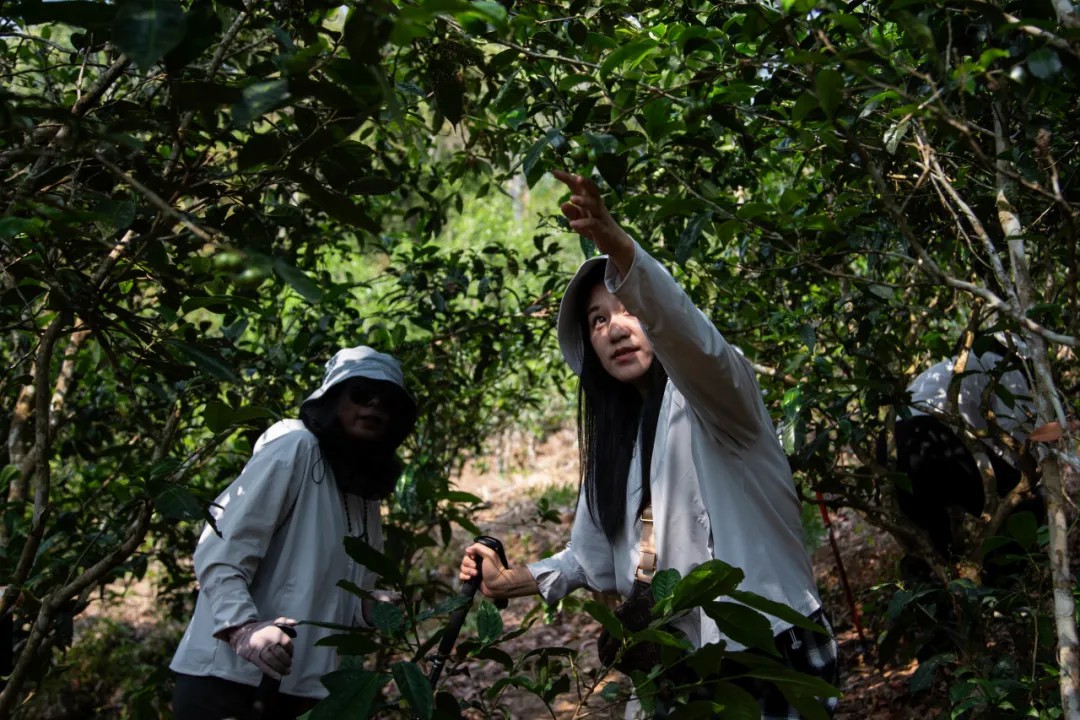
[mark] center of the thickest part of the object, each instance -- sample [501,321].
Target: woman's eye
[597,320]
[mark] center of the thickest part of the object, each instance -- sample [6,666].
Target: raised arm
[714,377]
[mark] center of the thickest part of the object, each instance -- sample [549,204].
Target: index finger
[483,551]
[574,182]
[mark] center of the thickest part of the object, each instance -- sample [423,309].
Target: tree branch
[157,202]
[42,378]
[927,264]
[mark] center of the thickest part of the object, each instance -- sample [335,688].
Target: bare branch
[157,202]
[927,264]
[215,64]
[941,180]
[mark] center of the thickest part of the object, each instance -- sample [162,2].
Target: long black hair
[367,468]
[609,414]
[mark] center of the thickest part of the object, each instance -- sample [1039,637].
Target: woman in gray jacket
[278,554]
[670,416]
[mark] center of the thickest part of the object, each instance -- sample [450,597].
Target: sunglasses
[365,392]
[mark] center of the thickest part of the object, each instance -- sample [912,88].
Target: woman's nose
[617,328]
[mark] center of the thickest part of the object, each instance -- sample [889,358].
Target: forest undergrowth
[529,494]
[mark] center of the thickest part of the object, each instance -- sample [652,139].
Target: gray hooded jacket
[281,553]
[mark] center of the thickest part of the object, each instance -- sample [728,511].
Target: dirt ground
[868,556]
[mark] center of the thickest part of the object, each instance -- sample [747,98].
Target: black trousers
[212,698]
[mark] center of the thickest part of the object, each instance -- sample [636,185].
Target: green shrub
[113,670]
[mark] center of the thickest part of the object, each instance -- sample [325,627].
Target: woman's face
[616,336]
[364,410]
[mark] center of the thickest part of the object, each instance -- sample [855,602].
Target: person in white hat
[670,418]
[278,555]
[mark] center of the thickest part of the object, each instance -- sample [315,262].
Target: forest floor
[548,477]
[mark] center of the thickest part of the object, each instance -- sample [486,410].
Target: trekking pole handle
[269,686]
[457,618]
[497,546]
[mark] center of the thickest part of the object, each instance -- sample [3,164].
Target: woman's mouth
[372,419]
[623,354]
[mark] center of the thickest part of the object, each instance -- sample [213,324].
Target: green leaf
[352,694]
[12,226]
[415,688]
[93,16]
[661,637]
[631,54]
[808,336]
[205,359]
[894,135]
[830,90]
[1044,63]
[898,602]
[923,677]
[613,169]
[690,236]
[351,642]
[372,559]
[664,582]
[706,582]
[742,624]
[8,474]
[201,95]
[533,155]
[489,624]
[494,654]
[784,677]
[147,29]
[776,609]
[450,98]
[604,615]
[300,281]
[258,99]
[260,149]
[176,501]
[115,215]
[577,32]
[751,210]
[1023,528]
[387,618]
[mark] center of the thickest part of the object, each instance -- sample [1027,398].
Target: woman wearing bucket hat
[671,420]
[278,555]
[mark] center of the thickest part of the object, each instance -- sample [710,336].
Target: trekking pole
[468,590]
[269,686]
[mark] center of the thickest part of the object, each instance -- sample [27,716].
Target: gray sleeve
[248,514]
[586,561]
[715,378]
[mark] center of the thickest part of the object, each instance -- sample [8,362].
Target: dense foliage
[202,200]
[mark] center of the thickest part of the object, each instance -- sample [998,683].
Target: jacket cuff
[231,606]
[554,580]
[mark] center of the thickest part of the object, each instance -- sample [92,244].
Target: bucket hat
[365,362]
[568,324]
